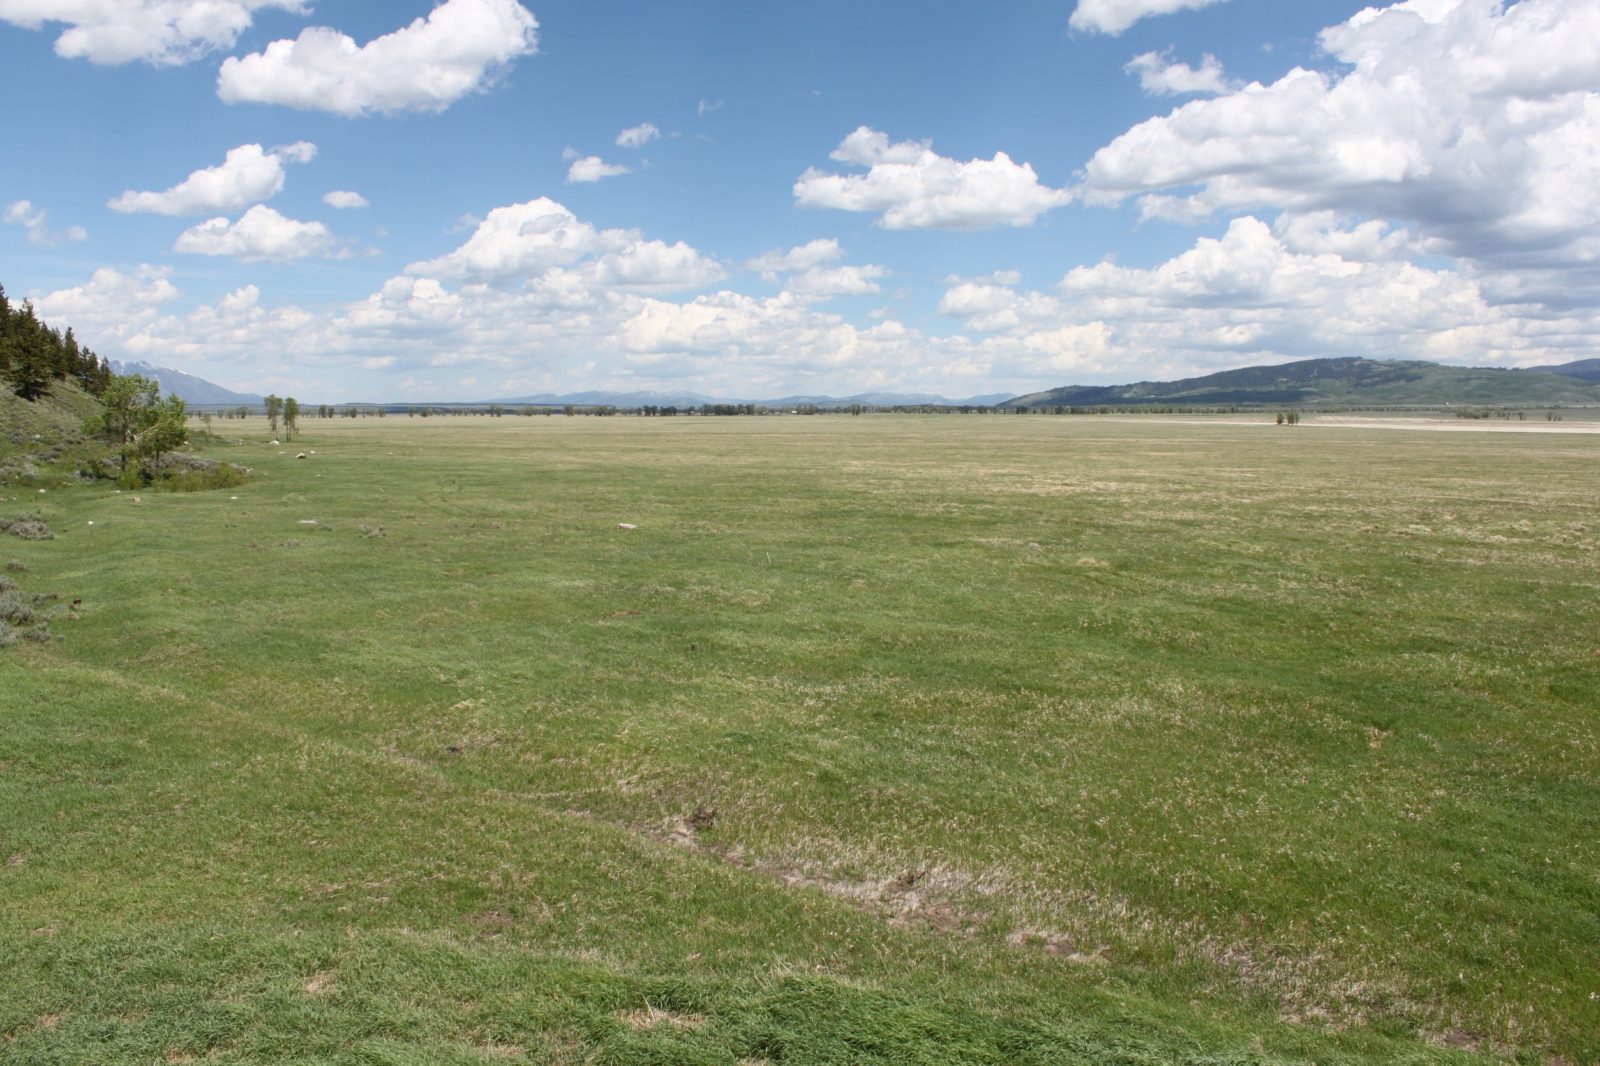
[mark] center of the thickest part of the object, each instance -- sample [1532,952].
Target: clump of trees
[33,356]
[139,425]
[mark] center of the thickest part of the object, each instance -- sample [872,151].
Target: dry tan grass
[651,1017]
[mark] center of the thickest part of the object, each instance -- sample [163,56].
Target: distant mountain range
[191,390]
[1305,383]
[1586,369]
[1344,382]
[695,399]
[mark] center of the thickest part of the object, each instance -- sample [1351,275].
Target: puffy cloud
[915,188]
[37,222]
[988,305]
[1260,294]
[1476,124]
[461,47]
[837,281]
[1114,16]
[530,240]
[522,239]
[261,233]
[159,32]
[803,257]
[1322,232]
[809,278]
[637,136]
[592,168]
[345,200]
[654,266]
[537,299]
[247,175]
[112,308]
[1160,76]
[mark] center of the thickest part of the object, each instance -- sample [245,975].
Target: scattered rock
[302,455]
[626,525]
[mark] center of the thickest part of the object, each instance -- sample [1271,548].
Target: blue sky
[820,197]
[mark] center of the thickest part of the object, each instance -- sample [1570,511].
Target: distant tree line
[33,356]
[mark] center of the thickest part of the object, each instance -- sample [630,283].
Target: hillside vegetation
[43,439]
[1335,382]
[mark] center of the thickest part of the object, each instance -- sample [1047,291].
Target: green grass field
[884,739]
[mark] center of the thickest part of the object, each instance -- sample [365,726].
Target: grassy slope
[46,432]
[1028,740]
[1342,382]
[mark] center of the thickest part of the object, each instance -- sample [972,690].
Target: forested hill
[1335,382]
[33,355]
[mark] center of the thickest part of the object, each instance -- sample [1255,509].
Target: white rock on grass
[626,525]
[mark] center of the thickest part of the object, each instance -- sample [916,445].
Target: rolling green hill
[1334,382]
[42,434]
[1587,369]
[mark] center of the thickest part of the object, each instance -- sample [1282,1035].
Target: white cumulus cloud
[1475,124]
[159,32]
[111,307]
[461,47]
[345,200]
[638,136]
[565,258]
[822,282]
[36,220]
[597,316]
[802,257]
[809,277]
[1114,16]
[653,266]
[1259,294]
[261,233]
[247,175]
[1159,75]
[915,188]
[591,168]
[521,239]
